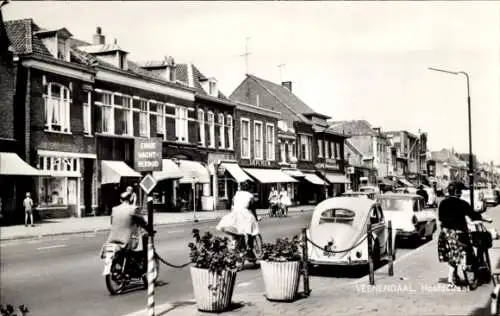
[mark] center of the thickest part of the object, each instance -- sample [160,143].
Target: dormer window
[57,42]
[212,88]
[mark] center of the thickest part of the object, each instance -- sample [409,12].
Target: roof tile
[353,128]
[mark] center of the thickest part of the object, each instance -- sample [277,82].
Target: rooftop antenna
[280,66]
[246,54]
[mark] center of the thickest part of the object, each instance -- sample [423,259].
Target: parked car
[409,217]
[479,205]
[368,195]
[341,223]
[491,198]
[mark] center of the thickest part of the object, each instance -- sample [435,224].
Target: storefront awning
[294,173]
[337,178]
[270,175]
[169,170]
[314,179]
[405,182]
[236,172]
[12,165]
[113,170]
[193,171]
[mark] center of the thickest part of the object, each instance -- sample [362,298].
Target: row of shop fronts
[75,184]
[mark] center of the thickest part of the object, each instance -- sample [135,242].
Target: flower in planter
[9,310]
[283,250]
[215,254]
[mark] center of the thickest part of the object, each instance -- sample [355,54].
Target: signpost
[148,158]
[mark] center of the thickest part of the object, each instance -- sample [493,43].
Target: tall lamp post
[471,167]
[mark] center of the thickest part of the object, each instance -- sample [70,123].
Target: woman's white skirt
[239,222]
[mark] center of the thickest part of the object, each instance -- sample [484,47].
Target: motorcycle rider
[125,222]
[453,238]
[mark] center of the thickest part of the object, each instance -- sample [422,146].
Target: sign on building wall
[148,154]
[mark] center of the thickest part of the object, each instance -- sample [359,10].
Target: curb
[93,231]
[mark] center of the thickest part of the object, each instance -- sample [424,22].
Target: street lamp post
[471,167]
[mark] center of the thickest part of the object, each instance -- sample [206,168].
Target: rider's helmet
[455,188]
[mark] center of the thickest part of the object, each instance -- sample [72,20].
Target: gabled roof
[101,48]
[60,32]
[20,33]
[182,74]
[445,155]
[353,128]
[285,96]
[353,148]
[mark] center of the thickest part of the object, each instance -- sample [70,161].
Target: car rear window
[397,204]
[338,215]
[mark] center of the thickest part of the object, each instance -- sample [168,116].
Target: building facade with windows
[51,90]
[308,126]
[257,148]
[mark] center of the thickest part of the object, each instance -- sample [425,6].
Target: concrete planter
[281,279]
[208,299]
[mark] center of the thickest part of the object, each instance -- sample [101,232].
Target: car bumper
[338,262]
[406,234]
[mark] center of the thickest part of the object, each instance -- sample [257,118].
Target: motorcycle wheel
[156,273]
[115,281]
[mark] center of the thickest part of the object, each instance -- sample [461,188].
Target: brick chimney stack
[287,84]
[98,38]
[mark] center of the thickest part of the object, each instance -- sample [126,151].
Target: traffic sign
[148,154]
[148,183]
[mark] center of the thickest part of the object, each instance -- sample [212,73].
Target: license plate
[108,261]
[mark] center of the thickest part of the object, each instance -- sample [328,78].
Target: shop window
[53,191]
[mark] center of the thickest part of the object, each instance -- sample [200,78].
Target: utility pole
[280,66]
[246,54]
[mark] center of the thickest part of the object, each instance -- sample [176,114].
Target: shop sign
[327,166]
[148,154]
[260,163]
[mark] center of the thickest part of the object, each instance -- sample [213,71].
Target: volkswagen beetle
[340,224]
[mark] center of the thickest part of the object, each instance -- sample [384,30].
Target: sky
[347,60]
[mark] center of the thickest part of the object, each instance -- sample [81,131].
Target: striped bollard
[151,278]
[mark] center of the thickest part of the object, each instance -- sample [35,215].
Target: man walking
[28,209]
[423,194]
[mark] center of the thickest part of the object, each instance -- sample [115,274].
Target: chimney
[98,38]
[287,84]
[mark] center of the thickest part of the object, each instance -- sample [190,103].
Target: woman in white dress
[285,200]
[240,221]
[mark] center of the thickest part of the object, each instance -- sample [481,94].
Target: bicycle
[481,241]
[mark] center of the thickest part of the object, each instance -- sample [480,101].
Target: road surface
[62,275]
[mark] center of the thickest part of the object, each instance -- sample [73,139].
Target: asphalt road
[62,275]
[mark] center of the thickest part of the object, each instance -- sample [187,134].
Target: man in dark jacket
[423,194]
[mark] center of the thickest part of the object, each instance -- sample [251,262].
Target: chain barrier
[180,266]
[345,250]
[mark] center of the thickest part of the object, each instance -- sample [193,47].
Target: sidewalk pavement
[416,288]
[73,225]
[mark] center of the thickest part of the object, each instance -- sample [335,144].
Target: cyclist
[454,239]
[241,222]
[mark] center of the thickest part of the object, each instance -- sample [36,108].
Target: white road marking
[50,247]
[175,231]
[244,284]
[159,310]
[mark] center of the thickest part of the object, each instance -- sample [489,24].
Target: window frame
[273,143]
[320,148]
[87,114]
[200,114]
[222,138]
[230,133]
[246,120]
[63,107]
[261,156]
[211,129]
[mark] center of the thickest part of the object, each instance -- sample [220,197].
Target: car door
[379,227]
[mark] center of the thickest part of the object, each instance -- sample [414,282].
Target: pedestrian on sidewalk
[28,209]
[453,239]
[285,200]
[132,196]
